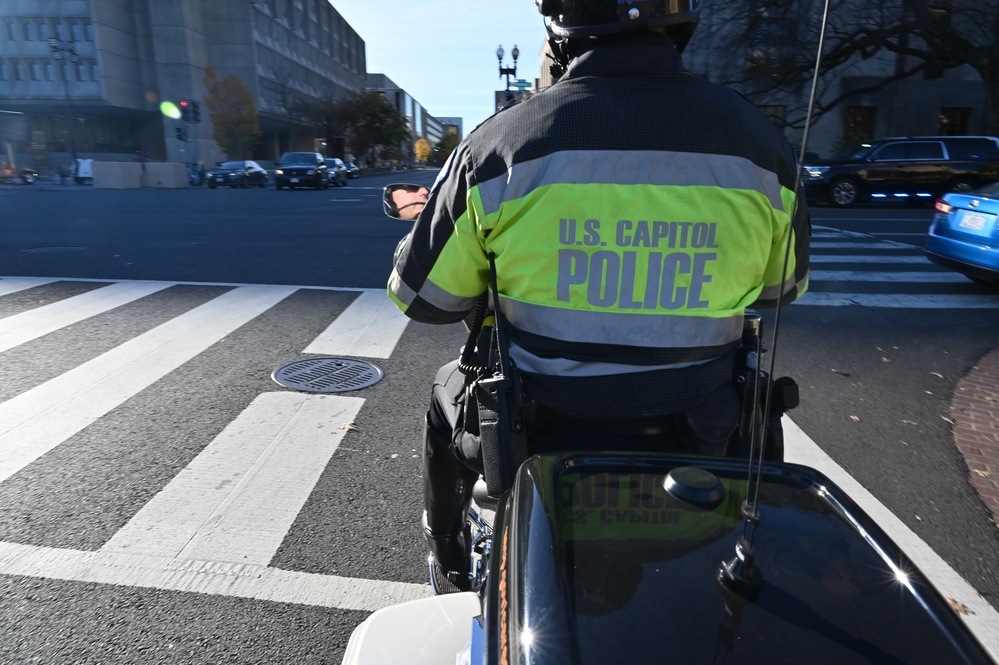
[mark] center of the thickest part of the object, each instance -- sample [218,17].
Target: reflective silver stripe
[432,294]
[643,330]
[528,362]
[398,287]
[774,292]
[645,167]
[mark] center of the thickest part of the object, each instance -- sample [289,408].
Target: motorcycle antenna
[739,575]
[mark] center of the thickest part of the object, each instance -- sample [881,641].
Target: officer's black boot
[447,493]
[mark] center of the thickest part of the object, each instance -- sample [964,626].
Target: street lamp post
[508,71]
[66,51]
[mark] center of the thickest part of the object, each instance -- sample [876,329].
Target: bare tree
[874,44]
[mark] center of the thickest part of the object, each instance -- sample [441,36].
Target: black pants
[703,431]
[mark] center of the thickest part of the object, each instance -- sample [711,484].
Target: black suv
[301,169]
[913,168]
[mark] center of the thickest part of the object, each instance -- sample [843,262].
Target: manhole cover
[328,375]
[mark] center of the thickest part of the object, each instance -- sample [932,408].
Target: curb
[975,412]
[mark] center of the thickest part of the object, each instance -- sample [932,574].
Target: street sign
[521,84]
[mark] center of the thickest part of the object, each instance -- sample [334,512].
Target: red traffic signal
[185,110]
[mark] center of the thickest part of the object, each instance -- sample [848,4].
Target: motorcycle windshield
[632,574]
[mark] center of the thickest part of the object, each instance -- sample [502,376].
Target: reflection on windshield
[855,151]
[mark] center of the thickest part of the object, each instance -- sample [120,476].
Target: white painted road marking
[237,499]
[14,284]
[36,421]
[869,258]
[369,328]
[984,623]
[26,326]
[941,277]
[895,301]
[207,577]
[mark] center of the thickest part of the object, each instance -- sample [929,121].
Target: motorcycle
[628,557]
[29,176]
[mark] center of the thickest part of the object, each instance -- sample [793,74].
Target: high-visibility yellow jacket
[635,211]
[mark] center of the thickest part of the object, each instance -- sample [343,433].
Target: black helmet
[571,19]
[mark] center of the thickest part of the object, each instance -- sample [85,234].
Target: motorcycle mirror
[405,201]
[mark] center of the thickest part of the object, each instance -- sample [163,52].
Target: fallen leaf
[855,419]
[350,427]
[948,420]
[937,374]
[959,607]
[884,360]
[840,372]
[909,422]
[983,474]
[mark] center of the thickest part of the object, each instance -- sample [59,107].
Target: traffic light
[185,110]
[182,134]
[195,111]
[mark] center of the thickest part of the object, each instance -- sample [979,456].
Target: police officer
[634,212]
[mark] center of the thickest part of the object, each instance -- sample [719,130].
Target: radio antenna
[739,575]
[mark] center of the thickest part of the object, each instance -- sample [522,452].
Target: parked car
[337,171]
[239,173]
[964,234]
[301,169]
[352,170]
[915,168]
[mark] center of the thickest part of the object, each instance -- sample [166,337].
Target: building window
[81,72]
[11,31]
[29,31]
[88,32]
[3,70]
[18,71]
[43,31]
[58,30]
[76,32]
[95,72]
[953,121]
[49,71]
[36,71]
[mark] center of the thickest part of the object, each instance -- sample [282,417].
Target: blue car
[964,235]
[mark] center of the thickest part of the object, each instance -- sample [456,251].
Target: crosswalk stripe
[26,326]
[369,328]
[14,284]
[205,577]
[237,499]
[899,277]
[870,258]
[898,301]
[38,420]
[857,245]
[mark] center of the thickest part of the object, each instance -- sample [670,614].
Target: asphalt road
[877,358]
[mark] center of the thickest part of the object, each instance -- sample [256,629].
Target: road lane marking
[26,326]
[369,328]
[206,577]
[870,258]
[238,498]
[904,277]
[984,623]
[38,420]
[14,284]
[856,245]
[900,301]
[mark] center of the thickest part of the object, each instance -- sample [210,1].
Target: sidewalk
[975,412]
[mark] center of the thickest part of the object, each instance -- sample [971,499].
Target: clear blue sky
[443,52]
